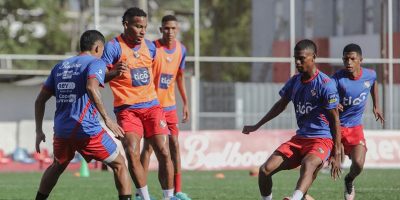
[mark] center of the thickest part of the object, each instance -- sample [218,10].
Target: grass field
[372,184]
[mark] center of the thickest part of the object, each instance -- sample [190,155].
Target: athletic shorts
[172,121]
[100,147]
[298,147]
[351,137]
[145,122]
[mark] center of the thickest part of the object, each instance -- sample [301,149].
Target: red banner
[221,150]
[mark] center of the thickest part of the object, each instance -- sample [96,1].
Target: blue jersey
[75,114]
[311,100]
[353,95]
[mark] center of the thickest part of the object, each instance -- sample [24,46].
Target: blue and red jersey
[75,115]
[353,95]
[166,65]
[135,89]
[311,100]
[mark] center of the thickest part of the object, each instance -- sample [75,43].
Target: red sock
[177,183]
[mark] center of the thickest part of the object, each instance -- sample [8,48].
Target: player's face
[135,29]
[352,61]
[169,30]
[304,60]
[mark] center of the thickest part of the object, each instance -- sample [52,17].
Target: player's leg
[274,164]
[357,164]
[131,122]
[102,147]
[155,129]
[316,152]
[145,155]
[63,154]
[160,145]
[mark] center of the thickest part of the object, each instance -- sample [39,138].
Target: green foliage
[20,19]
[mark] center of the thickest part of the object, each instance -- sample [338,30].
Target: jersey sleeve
[49,84]
[287,89]
[152,48]
[112,53]
[97,69]
[330,95]
[183,60]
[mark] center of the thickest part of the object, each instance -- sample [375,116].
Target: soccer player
[168,66]
[315,101]
[354,83]
[75,84]
[129,58]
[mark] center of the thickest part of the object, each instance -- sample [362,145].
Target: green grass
[372,184]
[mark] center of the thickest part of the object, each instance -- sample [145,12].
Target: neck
[355,74]
[129,40]
[168,43]
[308,74]
[85,53]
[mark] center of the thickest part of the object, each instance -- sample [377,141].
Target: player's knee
[132,154]
[264,169]
[358,164]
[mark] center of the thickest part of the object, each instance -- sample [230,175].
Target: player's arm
[334,125]
[92,88]
[40,107]
[277,109]
[180,80]
[375,101]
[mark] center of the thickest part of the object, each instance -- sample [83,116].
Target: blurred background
[239,54]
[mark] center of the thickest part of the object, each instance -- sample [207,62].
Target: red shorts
[172,121]
[143,121]
[351,137]
[100,147]
[298,147]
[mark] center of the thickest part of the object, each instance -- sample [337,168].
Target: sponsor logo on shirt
[347,101]
[68,65]
[66,98]
[67,74]
[313,92]
[332,98]
[304,108]
[140,76]
[66,85]
[165,80]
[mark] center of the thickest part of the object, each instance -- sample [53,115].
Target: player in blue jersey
[75,84]
[354,83]
[315,101]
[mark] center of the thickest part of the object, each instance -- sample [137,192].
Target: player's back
[353,94]
[73,108]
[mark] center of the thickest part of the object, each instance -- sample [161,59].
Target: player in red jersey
[168,68]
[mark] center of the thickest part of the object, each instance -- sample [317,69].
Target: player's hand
[340,107]
[40,136]
[115,128]
[121,68]
[378,115]
[334,161]
[185,113]
[249,129]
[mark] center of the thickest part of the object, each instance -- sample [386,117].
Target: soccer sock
[125,197]
[297,195]
[168,193]
[269,197]
[40,196]
[177,183]
[143,192]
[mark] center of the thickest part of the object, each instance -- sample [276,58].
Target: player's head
[352,57]
[92,41]
[134,21]
[305,53]
[169,27]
